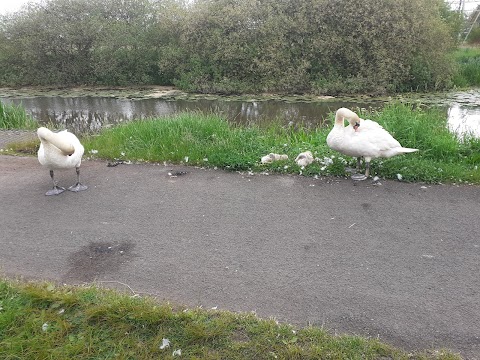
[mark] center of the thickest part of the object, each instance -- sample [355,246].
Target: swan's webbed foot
[55,191]
[354,171]
[78,187]
[359,177]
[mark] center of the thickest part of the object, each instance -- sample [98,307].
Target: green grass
[15,117]
[42,321]
[468,62]
[210,141]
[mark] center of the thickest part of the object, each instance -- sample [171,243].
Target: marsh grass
[43,321]
[468,67]
[15,117]
[211,141]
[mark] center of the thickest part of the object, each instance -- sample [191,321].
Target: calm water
[464,119]
[90,114]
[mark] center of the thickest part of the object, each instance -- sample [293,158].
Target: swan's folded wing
[369,125]
[377,135]
[376,142]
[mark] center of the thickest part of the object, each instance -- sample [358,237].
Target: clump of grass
[468,67]
[15,117]
[43,321]
[202,139]
[209,140]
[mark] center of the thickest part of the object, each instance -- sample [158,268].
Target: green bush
[226,46]
[316,46]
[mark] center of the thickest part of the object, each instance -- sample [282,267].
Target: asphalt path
[396,261]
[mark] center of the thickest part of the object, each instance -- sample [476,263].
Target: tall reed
[468,67]
[15,117]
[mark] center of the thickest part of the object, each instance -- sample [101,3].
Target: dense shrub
[70,42]
[321,46]
[232,46]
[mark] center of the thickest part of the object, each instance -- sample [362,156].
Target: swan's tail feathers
[59,140]
[408,150]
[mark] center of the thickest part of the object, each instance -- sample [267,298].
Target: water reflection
[90,114]
[464,120]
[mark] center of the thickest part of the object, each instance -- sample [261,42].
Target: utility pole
[473,24]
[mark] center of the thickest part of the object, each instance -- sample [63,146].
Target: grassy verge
[15,117]
[209,140]
[42,321]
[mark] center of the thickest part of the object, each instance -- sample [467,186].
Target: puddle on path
[98,258]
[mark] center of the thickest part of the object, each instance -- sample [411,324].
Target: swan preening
[362,138]
[60,151]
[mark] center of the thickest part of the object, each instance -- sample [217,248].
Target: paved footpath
[398,261]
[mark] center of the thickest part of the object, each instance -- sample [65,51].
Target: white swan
[60,151]
[362,138]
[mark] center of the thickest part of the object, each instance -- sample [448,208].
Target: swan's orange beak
[356,126]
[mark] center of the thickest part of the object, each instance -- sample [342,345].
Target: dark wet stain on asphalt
[98,258]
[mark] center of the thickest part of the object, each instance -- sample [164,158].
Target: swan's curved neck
[344,113]
[56,139]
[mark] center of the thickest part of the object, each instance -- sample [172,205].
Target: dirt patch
[8,137]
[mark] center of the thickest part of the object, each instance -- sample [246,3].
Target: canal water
[88,114]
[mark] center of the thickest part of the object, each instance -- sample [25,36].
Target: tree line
[233,46]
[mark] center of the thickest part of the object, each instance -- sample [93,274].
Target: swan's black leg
[367,169]
[359,163]
[56,189]
[78,186]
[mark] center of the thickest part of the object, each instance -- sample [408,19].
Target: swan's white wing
[52,157]
[369,124]
[380,138]
[371,140]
